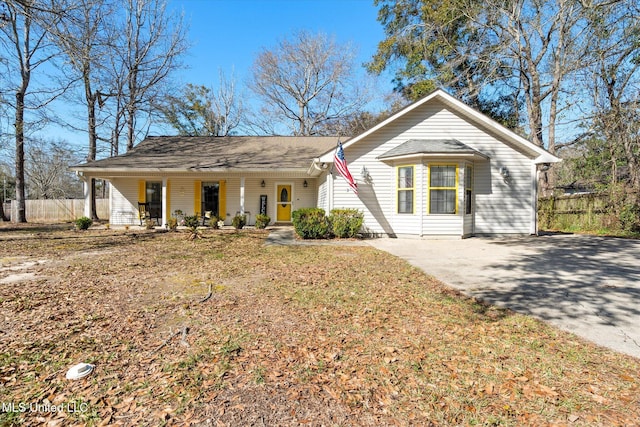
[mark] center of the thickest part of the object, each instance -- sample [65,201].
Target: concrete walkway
[582,284]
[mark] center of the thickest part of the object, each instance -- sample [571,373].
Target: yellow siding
[142,194]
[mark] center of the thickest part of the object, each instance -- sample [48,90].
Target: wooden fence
[57,210]
[586,212]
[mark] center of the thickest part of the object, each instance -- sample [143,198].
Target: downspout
[533,230]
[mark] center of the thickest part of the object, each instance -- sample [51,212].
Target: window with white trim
[443,189]
[405,189]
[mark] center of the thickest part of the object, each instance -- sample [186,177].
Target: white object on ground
[80,370]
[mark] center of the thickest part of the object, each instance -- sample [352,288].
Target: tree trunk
[93,137]
[131,129]
[20,187]
[629,144]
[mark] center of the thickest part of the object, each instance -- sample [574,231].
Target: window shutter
[142,193]
[222,200]
[197,197]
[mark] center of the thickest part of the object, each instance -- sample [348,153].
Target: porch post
[534,199]
[164,202]
[242,195]
[86,192]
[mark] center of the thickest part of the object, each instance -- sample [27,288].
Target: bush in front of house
[262,221]
[83,223]
[172,223]
[311,223]
[191,221]
[345,223]
[239,221]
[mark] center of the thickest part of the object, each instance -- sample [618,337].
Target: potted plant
[239,221]
[262,221]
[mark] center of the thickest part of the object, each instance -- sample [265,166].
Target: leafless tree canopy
[47,170]
[24,27]
[205,111]
[118,55]
[303,82]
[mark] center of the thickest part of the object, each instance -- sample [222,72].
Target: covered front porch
[219,195]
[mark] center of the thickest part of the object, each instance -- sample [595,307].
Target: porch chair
[143,212]
[206,217]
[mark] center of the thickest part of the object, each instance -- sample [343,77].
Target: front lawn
[224,330]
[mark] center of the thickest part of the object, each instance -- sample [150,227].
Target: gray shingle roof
[210,153]
[414,147]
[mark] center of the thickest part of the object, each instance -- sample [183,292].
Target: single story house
[435,168]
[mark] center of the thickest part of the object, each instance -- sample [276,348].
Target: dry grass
[319,335]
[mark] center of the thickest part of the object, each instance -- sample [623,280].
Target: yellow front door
[283,211]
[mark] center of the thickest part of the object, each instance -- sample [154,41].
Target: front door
[210,197]
[283,213]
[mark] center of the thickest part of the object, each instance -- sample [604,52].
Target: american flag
[341,165]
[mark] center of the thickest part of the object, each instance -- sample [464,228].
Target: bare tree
[615,81]
[227,105]
[203,111]
[81,36]
[151,45]
[47,171]
[361,121]
[307,80]
[25,28]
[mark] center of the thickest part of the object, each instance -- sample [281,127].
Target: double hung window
[443,184]
[406,183]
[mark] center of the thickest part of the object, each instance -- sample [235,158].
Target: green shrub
[345,223]
[262,220]
[192,221]
[83,223]
[239,221]
[172,223]
[630,218]
[311,223]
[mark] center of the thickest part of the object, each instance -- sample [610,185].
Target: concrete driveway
[583,284]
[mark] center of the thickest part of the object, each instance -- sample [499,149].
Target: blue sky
[228,34]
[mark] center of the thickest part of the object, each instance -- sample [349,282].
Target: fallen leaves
[287,336]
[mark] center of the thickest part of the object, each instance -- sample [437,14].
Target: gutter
[317,167]
[106,171]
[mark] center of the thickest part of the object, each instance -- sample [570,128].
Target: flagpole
[334,163]
[341,165]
